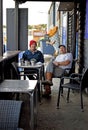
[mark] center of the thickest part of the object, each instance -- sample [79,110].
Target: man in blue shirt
[33,54]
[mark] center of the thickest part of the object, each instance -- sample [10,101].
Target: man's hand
[63,63]
[55,63]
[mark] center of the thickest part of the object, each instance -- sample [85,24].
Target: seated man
[56,68]
[33,53]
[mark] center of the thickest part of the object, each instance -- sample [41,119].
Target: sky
[37,11]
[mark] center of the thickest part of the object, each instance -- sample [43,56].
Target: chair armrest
[65,77]
[67,68]
[72,79]
[20,129]
[25,74]
[75,75]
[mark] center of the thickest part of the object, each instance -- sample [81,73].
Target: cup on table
[32,62]
[26,62]
[21,61]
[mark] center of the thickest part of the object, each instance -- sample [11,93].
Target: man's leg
[49,72]
[48,77]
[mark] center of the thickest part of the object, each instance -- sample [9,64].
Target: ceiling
[66,6]
[22,1]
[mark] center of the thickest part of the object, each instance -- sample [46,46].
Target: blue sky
[37,11]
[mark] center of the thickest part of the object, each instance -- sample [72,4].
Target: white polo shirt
[64,57]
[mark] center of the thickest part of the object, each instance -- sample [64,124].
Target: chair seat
[71,86]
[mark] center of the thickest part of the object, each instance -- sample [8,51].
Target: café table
[27,87]
[39,67]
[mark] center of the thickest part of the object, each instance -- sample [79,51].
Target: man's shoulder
[70,56]
[27,51]
[69,53]
[38,51]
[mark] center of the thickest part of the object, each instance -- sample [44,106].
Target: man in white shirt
[56,67]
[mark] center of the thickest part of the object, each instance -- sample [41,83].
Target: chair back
[73,66]
[65,72]
[69,71]
[10,111]
[15,70]
[84,82]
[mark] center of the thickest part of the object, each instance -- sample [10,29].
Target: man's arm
[66,62]
[63,63]
[41,57]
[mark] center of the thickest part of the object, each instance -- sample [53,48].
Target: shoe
[46,95]
[47,82]
[47,91]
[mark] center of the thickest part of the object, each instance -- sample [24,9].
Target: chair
[10,114]
[67,72]
[17,74]
[30,73]
[15,71]
[76,82]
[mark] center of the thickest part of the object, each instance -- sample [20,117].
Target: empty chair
[32,73]
[17,74]
[15,71]
[76,82]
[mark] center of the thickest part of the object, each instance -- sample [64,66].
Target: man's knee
[49,67]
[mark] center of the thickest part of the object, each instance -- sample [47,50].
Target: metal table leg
[33,105]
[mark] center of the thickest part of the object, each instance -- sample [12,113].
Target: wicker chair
[10,114]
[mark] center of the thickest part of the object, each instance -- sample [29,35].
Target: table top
[29,66]
[18,85]
[8,54]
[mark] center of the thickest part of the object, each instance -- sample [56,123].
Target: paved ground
[68,117]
